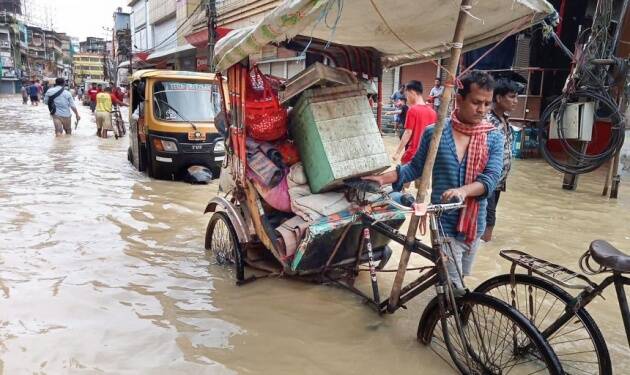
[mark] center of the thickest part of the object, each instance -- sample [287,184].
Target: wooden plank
[257,215]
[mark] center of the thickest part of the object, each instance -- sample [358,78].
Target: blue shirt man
[64,103]
[449,172]
[474,100]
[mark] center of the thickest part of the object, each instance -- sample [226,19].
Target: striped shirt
[502,123]
[449,173]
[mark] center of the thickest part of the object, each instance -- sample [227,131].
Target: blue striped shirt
[449,173]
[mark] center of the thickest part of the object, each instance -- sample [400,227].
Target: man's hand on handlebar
[376,178]
[457,194]
[383,179]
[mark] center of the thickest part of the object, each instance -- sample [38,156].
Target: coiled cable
[580,162]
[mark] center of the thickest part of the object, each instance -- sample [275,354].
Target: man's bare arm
[471,190]
[403,142]
[384,179]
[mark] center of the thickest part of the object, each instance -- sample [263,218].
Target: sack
[265,118]
[52,108]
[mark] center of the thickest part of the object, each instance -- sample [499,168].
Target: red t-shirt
[92,94]
[419,116]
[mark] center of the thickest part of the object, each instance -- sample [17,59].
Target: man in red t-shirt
[419,116]
[92,95]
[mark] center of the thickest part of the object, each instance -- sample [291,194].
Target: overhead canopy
[402,31]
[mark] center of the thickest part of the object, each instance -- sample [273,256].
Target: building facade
[88,66]
[93,45]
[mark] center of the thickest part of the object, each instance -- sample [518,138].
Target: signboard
[202,64]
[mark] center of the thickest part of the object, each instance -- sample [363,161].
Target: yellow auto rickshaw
[172,131]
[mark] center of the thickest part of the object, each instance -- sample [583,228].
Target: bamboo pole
[456,50]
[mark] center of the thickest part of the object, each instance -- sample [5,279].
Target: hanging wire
[323,16]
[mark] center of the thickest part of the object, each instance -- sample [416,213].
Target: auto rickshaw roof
[399,31]
[172,74]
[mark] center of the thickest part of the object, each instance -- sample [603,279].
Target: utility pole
[211,12]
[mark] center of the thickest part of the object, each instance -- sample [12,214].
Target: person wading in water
[467,167]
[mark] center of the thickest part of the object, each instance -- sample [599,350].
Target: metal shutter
[521,57]
[389,85]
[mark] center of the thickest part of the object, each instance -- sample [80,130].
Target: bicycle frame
[435,275]
[587,295]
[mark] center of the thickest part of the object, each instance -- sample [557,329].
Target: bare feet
[487,235]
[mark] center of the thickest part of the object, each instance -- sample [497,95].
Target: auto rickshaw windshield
[186,101]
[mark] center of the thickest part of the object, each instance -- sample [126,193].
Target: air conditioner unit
[577,122]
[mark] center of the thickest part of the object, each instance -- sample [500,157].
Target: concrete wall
[163,37]
[159,10]
[187,17]
[424,72]
[140,29]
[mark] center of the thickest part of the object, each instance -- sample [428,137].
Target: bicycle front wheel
[578,342]
[491,338]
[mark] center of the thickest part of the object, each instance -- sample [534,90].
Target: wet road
[102,270]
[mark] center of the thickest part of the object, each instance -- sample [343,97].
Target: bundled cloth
[265,164]
[311,206]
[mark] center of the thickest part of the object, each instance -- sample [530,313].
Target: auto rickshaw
[172,132]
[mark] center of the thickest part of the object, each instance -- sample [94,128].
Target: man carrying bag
[60,102]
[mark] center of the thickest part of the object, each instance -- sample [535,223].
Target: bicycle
[118,122]
[481,334]
[563,320]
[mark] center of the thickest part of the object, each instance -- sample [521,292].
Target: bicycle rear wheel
[494,338]
[578,343]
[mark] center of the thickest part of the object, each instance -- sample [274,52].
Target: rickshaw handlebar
[434,208]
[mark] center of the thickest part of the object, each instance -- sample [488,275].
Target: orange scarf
[475,164]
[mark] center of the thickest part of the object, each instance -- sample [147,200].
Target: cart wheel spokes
[223,244]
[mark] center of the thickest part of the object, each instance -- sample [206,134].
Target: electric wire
[589,82]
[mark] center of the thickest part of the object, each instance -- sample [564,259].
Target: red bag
[265,118]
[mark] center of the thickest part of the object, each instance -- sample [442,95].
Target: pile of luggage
[305,137]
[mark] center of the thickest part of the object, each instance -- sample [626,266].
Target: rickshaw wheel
[222,242]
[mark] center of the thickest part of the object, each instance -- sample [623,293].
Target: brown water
[102,270]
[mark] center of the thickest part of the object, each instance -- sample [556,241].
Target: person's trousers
[62,124]
[491,210]
[104,121]
[92,106]
[460,255]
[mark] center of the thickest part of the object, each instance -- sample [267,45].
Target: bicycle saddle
[609,256]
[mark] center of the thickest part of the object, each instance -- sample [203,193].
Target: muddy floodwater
[103,270]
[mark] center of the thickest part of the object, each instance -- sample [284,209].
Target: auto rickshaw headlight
[163,145]
[219,147]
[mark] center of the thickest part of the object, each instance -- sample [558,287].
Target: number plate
[196,136]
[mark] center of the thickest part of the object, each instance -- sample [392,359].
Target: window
[185,101]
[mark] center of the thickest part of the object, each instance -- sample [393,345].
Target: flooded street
[103,270]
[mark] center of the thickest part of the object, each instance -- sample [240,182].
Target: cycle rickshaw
[479,333]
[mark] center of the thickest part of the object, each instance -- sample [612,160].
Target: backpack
[51,101]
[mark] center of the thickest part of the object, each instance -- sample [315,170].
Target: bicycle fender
[429,318]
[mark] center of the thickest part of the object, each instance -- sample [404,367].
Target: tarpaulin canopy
[402,31]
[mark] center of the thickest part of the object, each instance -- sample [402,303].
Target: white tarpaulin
[402,30]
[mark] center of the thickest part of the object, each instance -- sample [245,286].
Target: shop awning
[199,38]
[172,52]
[400,30]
